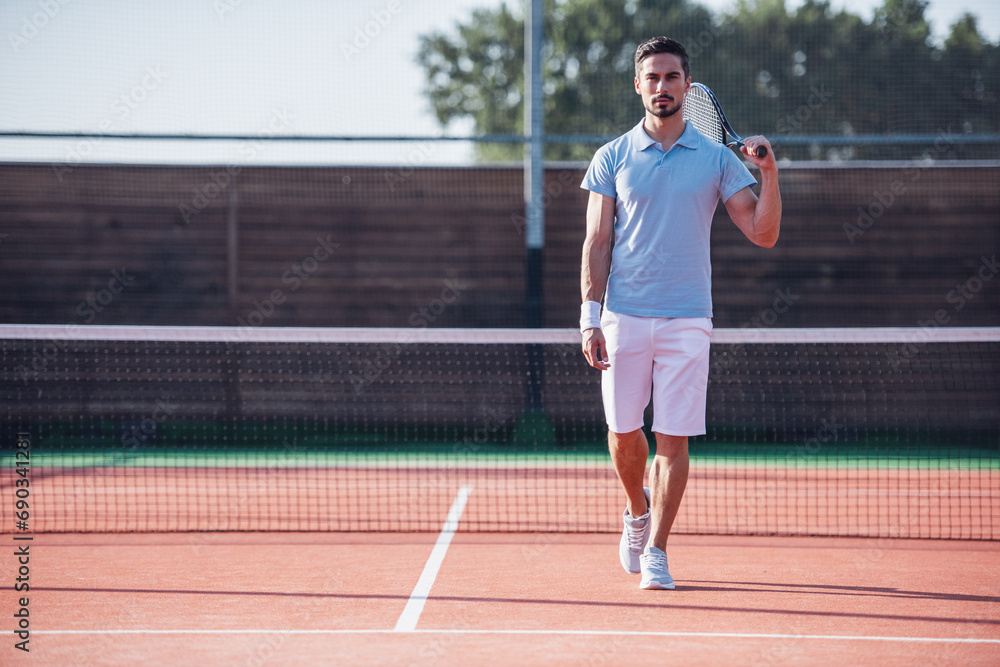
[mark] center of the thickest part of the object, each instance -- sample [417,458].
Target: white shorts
[667,357]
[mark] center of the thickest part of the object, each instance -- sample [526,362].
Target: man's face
[662,84]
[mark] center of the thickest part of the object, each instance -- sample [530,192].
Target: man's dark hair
[662,45]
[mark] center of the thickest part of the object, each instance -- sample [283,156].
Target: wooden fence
[354,246]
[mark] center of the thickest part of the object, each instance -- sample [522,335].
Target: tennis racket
[702,109]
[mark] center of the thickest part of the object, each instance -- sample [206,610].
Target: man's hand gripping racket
[701,109]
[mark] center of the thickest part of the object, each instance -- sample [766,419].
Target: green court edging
[462,456]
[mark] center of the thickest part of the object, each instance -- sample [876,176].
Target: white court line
[596,633]
[411,613]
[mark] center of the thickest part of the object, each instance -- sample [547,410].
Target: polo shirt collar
[641,141]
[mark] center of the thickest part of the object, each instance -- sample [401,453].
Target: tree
[478,74]
[808,72]
[588,64]
[973,65]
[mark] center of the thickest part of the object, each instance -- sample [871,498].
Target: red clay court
[283,514]
[452,597]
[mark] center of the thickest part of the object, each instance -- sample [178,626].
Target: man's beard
[663,112]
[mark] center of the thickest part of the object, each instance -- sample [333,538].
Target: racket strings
[700,112]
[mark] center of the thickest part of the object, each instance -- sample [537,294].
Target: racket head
[702,109]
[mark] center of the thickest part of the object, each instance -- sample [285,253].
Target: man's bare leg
[629,452]
[667,480]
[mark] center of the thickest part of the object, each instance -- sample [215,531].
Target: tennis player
[653,192]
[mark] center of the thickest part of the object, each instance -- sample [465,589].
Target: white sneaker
[655,575]
[634,538]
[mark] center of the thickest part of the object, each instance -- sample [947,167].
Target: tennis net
[852,432]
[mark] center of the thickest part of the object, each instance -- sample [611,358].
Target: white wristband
[590,315]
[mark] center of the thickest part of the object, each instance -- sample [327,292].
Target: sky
[254,67]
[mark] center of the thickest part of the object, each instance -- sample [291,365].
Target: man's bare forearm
[767,213]
[596,267]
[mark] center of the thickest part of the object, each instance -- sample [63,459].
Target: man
[653,192]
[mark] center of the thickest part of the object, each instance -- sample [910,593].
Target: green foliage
[974,68]
[808,72]
[478,74]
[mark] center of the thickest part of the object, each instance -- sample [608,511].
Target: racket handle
[761,151]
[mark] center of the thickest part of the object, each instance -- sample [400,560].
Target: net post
[234,400]
[534,427]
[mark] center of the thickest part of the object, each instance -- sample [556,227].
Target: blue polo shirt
[664,204]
